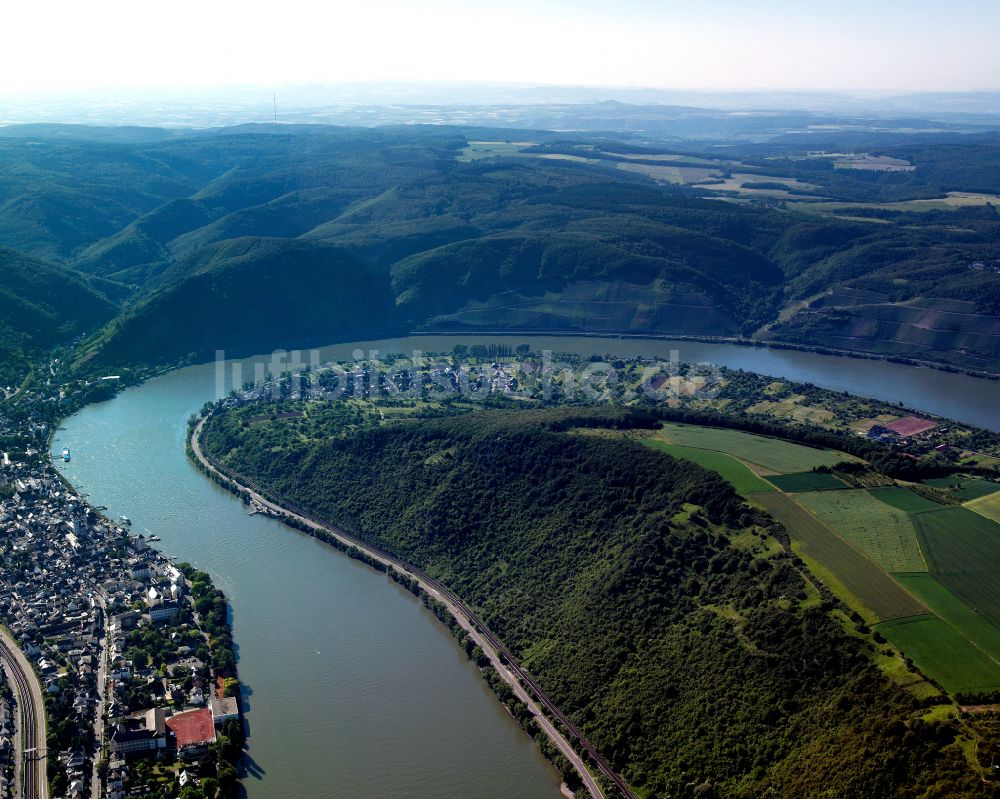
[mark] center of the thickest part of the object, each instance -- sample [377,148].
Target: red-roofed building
[910,426]
[194,731]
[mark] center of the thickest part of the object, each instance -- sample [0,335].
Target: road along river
[356,690]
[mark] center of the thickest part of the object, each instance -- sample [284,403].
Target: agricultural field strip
[798,482]
[952,610]
[947,623]
[880,531]
[865,580]
[905,500]
[967,490]
[943,653]
[728,467]
[771,453]
[963,551]
[988,506]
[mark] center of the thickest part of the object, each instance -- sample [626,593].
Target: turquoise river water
[354,689]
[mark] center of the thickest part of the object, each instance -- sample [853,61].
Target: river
[354,689]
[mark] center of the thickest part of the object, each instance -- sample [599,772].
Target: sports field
[806,481]
[943,654]
[780,456]
[905,500]
[882,532]
[963,551]
[848,573]
[743,480]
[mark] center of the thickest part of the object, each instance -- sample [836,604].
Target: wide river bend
[354,689]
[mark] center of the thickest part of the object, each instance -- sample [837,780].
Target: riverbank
[502,662]
[97,572]
[293,601]
[350,680]
[736,341]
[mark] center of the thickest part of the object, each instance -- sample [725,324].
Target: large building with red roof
[194,731]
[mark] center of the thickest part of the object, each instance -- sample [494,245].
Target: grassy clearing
[882,532]
[893,664]
[783,457]
[963,552]
[760,547]
[942,654]
[965,489]
[742,479]
[807,481]
[987,506]
[668,157]
[792,408]
[490,149]
[677,175]
[793,188]
[954,199]
[849,574]
[905,500]
[953,610]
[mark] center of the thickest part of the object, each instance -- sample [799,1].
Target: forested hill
[268,236]
[655,607]
[42,304]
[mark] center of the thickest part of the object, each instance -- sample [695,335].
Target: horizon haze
[889,47]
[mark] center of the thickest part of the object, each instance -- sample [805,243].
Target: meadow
[905,500]
[742,479]
[855,578]
[987,506]
[952,201]
[942,654]
[965,489]
[807,481]
[882,532]
[954,611]
[773,454]
[963,551]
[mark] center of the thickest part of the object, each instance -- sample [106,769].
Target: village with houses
[131,652]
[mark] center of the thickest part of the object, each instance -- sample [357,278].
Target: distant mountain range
[257,236]
[459,102]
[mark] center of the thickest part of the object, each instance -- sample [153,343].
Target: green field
[806,481]
[987,506]
[965,489]
[953,610]
[953,200]
[774,454]
[882,532]
[848,573]
[743,480]
[905,500]
[963,551]
[942,654]
[490,149]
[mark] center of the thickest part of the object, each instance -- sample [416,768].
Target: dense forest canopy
[218,237]
[660,611]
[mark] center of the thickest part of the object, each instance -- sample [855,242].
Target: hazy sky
[703,44]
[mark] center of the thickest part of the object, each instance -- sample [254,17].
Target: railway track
[583,746]
[29,724]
